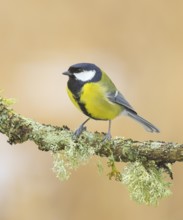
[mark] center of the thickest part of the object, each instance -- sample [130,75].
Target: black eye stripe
[75,70]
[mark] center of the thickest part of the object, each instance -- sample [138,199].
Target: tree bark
[19,129]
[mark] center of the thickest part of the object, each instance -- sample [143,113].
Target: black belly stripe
[82,106]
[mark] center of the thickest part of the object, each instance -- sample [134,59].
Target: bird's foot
[81,128]
[79,131]
[107,137]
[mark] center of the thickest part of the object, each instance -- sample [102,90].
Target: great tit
[93,92]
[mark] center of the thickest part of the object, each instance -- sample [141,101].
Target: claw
[79,131]
[81,128]
[107,137]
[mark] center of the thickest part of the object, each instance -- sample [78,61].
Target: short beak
[67,73]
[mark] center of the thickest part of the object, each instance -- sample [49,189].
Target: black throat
[75,87]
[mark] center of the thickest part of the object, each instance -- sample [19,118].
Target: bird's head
[84,72]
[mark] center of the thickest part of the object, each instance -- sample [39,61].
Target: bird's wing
[118,98]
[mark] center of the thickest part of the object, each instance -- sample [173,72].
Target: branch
[144,176]
[52,138]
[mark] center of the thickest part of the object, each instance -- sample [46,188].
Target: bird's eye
[73,69]
[78,70]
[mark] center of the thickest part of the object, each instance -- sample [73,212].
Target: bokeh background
[139,44]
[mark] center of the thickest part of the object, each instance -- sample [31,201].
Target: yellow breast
[93,96]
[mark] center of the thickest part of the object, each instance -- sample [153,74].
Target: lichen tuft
[146,184]
[71,158]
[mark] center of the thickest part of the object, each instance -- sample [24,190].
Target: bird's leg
[81,128]
[108,135]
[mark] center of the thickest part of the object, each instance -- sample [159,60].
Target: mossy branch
[19,129]
[143,175]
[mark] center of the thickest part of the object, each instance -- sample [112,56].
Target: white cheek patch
[85,75]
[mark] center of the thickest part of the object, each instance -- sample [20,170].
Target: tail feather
[147,125]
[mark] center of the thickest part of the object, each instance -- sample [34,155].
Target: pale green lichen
[155,145]
[9,102]
[146,184]
[100,167]
[114,173]
[73,156]
[53,138]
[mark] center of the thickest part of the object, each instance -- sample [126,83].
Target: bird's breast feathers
[94,98]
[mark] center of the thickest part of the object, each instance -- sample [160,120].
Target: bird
[93,93]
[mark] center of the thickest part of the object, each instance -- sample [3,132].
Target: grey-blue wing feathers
[117,97]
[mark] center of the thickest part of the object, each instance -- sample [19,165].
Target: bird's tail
[147,125]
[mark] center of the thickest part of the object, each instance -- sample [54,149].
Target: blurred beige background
[139,44]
